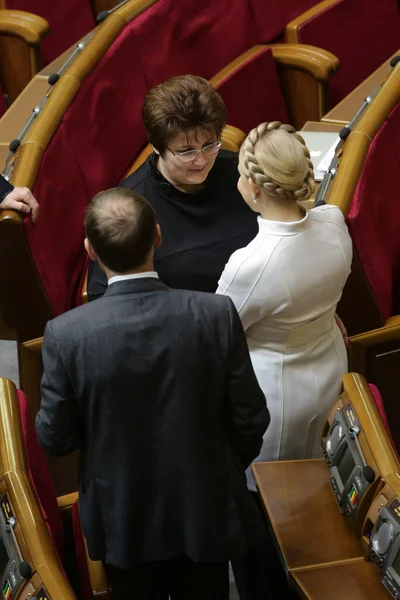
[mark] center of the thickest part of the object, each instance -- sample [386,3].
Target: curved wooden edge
[355,148]
[292,27]
[353,154]
[371,423]
[24,501]
[84,292]
[30,367]
[64,92]
[234,64]
[27,26]
[388,333]
[320,63]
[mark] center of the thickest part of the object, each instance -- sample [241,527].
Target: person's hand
[343,329]
[22,200]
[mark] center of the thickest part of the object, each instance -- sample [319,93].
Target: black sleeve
[5,188]
[247,414]
[59,426]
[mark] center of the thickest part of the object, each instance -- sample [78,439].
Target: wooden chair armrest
[304,72]
[84,292]
[66,502]
[293,26]
[20,36]
[319,63]
[27,26]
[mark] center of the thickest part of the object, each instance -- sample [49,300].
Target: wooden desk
[343,112]
[304,515]
[357,580]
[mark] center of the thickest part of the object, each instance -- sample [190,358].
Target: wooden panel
[303,513]
[343,112]
[351,581]
[19,112]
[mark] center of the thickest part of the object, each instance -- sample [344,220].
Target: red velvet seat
[192,37]
[250,98]
[69,21]
[42,483]
[382,412]
[96,144]
[374,216]
[40,475]
[361,33]
[272,16]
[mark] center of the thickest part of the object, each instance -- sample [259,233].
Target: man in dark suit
[156,387]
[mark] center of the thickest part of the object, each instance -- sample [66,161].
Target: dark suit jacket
[157,389]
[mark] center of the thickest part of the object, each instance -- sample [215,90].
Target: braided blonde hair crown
[276,157]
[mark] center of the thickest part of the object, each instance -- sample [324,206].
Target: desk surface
[343,112]
[358,580]
[303,513]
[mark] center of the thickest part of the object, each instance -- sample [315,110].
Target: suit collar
[135,286]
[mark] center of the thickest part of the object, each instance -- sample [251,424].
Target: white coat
[285,285]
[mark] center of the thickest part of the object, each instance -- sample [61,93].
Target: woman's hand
[343,329]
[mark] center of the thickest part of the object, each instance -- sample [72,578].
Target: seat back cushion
[272,16]
[250,97]
[374,216]
[362,34]
[100,134]
[69,21]
[382,413]
[81,554]
[39,474]
[193,37]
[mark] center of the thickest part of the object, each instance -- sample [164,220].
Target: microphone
[14,145]
[368,473]
[394,60]
[344,132]
[102,16]
[54,77]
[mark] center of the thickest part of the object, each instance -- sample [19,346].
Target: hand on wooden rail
[22,200]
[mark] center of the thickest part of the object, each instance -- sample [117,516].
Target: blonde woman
[286,284]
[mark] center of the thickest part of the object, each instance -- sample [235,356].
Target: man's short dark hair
[121,227]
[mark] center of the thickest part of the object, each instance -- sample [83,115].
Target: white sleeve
[238,281]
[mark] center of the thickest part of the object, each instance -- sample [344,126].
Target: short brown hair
[181,105]
[121,227]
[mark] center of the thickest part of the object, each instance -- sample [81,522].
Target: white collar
[284,227]
[132,276]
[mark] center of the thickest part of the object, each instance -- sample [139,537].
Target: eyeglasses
[190,155]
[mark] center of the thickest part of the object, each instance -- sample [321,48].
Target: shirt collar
[132,276]
[284,227]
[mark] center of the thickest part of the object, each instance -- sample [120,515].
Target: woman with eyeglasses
[191,184]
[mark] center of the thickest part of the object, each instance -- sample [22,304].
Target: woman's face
[188,176]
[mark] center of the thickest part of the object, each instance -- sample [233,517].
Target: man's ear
[158,238]
[89,249]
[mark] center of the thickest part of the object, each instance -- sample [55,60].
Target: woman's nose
[200,159]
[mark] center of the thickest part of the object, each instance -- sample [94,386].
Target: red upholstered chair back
[40,475]
[374,216]
[99,135]
[69,21]
[272,16]
[252,92]
[361,33]
[200,38]
[382,413]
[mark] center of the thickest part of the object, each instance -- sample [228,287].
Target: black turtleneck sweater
[200,231]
